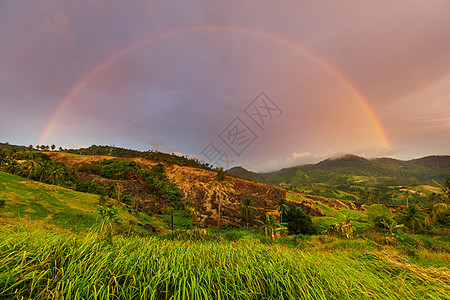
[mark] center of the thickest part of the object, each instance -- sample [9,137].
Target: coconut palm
[32,166]
[406,195]
[12,166]
[392,192]
[445,189]
[282,207]
[222,187]
[246,209]
[3,158]
[438,209]
[56,174]
[369,196]
[411,215]
[377,195]
[432,199]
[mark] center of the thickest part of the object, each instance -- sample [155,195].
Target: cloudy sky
[263,84]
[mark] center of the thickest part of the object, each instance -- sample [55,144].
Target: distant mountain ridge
[435,167]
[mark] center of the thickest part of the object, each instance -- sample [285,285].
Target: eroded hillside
[195,186]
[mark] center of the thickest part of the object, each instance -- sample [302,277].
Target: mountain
[241,172]
[428,168]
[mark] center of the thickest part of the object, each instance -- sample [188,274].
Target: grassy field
[53,207]
[45,254]
[39,264]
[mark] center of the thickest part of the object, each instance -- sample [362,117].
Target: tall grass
[43,265]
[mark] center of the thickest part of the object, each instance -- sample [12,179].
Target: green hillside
[38,204]
[51,246]
[404,172]
[351,177]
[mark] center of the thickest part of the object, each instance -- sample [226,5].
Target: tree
[109,215]
[32,166]
[392,192]
[282,207]
[369,196]
[391,225]
[246,209]
[411,215]
[406,195]
[3,158]
[56,174]
[222,187]
[432,199]
[298,222]
[270,227]
[445,189]
[439,209]
[12,166]
[53,147]
[377,195]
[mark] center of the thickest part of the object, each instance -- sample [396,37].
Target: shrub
[298,222]
[380,221]
[89,168]
[89,187]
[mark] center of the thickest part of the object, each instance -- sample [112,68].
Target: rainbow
[261,34]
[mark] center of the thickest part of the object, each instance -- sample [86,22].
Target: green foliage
[298,222]
[36,166]
[89,187]
[411,216]
[39,264]
[246,209]
[2,203]
[382,222]
[118,169]
[282,207]
[129,153]
[109,216]
[56,207]
[157,182]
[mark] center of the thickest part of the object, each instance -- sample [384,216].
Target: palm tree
[32,166]
[282,207]
[407,195]
[53,147]
[270,227]
[221,186]
[3,159]
[432,198]
[438,209]
[43,171]
[445,189]
[56,174]
[392,192]
[377,195]
[411,215]
[369,196]
[12,166]
[246,209]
